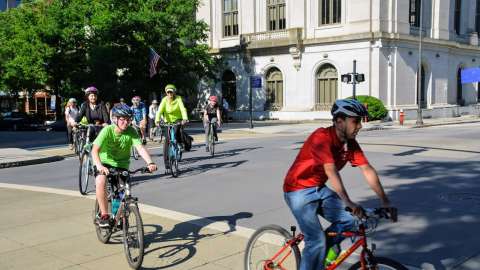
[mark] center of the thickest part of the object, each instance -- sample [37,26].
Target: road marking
[149,209]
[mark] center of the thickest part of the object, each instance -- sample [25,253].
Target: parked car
[58,125]
[19,121]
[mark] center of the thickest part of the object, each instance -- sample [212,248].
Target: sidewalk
[51,231]
[12,157]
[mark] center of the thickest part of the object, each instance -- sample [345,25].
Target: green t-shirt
[115,148]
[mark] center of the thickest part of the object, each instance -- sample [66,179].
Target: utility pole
[354,80]
[419,72]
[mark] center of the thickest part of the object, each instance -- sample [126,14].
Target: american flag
[154,57]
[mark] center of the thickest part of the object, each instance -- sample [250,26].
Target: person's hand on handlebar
[152,167]
[103,170]
[357,210]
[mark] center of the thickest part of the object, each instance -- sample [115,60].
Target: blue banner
[256,82]
[470,75]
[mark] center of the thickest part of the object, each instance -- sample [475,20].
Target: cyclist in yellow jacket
[171,111]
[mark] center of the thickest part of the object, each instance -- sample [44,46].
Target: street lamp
[419,72]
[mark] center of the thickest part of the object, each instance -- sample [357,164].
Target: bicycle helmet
[91,90]
[122,110]
[170,87]
[213,98]
[72,100]
[349,108]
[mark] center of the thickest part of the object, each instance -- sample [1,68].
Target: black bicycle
[173,151]
[125,215]
[211,136]
[79,139]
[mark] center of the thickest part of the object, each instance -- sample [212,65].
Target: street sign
[52,102]
[360,77]
[470,75]
[256,81]
[346,78]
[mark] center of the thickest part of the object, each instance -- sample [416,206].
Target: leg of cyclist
[70,136]
[142,127]
[333,211]
[101,195]
[179,136]
[304,205]
[165,149]
[214,120]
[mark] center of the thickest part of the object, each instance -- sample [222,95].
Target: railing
[292,36]
[282,34]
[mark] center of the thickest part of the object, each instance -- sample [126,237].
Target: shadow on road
[439,214]
[180,244]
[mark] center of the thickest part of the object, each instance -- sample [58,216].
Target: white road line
[149,209]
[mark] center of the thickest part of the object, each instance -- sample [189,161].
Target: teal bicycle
[171,150]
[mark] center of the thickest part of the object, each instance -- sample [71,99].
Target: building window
[414,13]
[458,6]
[326,87]
[274,99]
[330,11]
[276,11]
[460,100]
[230,18]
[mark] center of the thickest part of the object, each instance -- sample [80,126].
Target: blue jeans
[306,205]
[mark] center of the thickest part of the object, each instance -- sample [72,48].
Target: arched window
[458,6]
[326,87]
[229,89]
[460,100]
[230,18]
[274,99]
[276,15]
[414,13]
[330,11]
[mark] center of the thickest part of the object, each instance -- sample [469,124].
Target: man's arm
[373,181]
[337,183]
[96,160]
[219,116]
[81,113]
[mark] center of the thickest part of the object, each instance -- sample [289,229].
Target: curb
[30,162]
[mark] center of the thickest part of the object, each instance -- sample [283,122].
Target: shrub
[376,109]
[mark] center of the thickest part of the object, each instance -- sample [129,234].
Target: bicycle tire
[274,237]
[382,263]
[80,146]
[134,261]
[84,173]
[103,234]
[135,154]
[211,140]
[173,165]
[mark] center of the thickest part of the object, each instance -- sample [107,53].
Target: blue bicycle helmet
[349,108]
[122,110]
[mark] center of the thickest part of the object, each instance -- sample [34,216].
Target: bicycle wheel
[135,154]
[85,172]
[80,144]
[263,250]
[382,263]
[133,236]
[172,157]
[103,234]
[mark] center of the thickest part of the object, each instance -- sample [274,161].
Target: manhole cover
[468,198]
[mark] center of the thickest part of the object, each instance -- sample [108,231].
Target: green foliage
[376,109]
[65,46]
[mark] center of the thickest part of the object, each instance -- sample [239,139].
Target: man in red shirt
[324,153]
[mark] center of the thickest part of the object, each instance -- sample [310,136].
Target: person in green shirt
[111,149]
[171,111]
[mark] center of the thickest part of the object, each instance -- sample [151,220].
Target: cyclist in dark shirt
[95,112]
[211,113]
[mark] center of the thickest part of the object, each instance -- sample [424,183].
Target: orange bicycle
[273,247]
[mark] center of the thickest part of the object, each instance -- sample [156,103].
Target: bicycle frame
[278,259]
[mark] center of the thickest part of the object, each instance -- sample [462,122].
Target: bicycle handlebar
[116,172]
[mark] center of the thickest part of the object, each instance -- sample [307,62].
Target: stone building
[300,48]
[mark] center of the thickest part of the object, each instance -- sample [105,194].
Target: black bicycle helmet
[122,110]
[349,108]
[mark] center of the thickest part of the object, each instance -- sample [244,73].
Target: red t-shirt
[322,147]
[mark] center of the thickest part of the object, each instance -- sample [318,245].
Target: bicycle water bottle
[332,254]
[115,205]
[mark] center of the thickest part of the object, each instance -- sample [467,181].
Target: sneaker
[144,142]
[104,221]
[216,138]
[207,149]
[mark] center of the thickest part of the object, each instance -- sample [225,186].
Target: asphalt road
[431,174]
